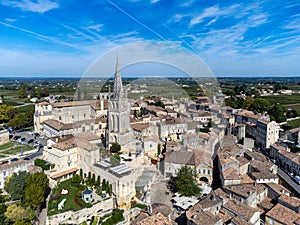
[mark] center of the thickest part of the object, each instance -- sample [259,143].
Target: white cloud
[214,12]
[178,17]
[154,1]
[40,6]
[293,25]
[96,27]
[187,3]
[10,20]
[211,22]
[257,20]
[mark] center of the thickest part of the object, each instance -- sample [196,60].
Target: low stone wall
[100,209]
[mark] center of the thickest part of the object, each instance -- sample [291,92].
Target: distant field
[8,93]
[13,103]
[26,108]
[294,106]
[283,99]
[291,124]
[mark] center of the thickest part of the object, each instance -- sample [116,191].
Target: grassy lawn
[70,203]
[2,156]
[16,150]
[7,145]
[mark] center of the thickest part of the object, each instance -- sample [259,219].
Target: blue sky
[62,38]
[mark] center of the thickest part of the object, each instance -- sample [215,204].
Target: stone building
[9,168]
[4,136]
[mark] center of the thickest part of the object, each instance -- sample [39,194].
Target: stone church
[108,116]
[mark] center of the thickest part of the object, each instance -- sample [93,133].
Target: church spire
[118,87]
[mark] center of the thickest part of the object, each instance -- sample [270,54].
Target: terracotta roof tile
[283,215]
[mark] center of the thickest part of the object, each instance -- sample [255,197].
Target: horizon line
[24,77]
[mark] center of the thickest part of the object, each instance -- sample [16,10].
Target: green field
[283,99]
[26,108]
[293,106]
[291,124]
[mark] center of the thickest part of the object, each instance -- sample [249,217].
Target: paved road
[158,194]
[289,180]
[18,106]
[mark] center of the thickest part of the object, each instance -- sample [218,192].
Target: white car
[36,144]
[290,174]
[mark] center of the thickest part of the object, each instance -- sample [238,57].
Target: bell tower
[118,112]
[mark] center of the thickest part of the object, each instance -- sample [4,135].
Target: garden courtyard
[72,193]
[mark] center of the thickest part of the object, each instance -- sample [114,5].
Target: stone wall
[100,209]
[4,137]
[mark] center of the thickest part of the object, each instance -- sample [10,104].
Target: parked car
[36,134]
[11,131]
[290,174]
[297,179]
[30,141]
[16,137]
[21,139]
[14,159]
[36,144]
[3,162]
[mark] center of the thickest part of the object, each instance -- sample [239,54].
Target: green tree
[248,101]
[158,150]
[115,148]
[16,185]
[93,179]
[39,178]
[107,187]
[36,185]
[16,212]
[19,121]
[3,218]
[4,116]
[42,163]
[110,189]
[185,182]
[103,184]
[76,179]
[292,113]
[260,105]
[98,181]
[81,173]
[278,113]
[23,90]
[22,222]
[34,195]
